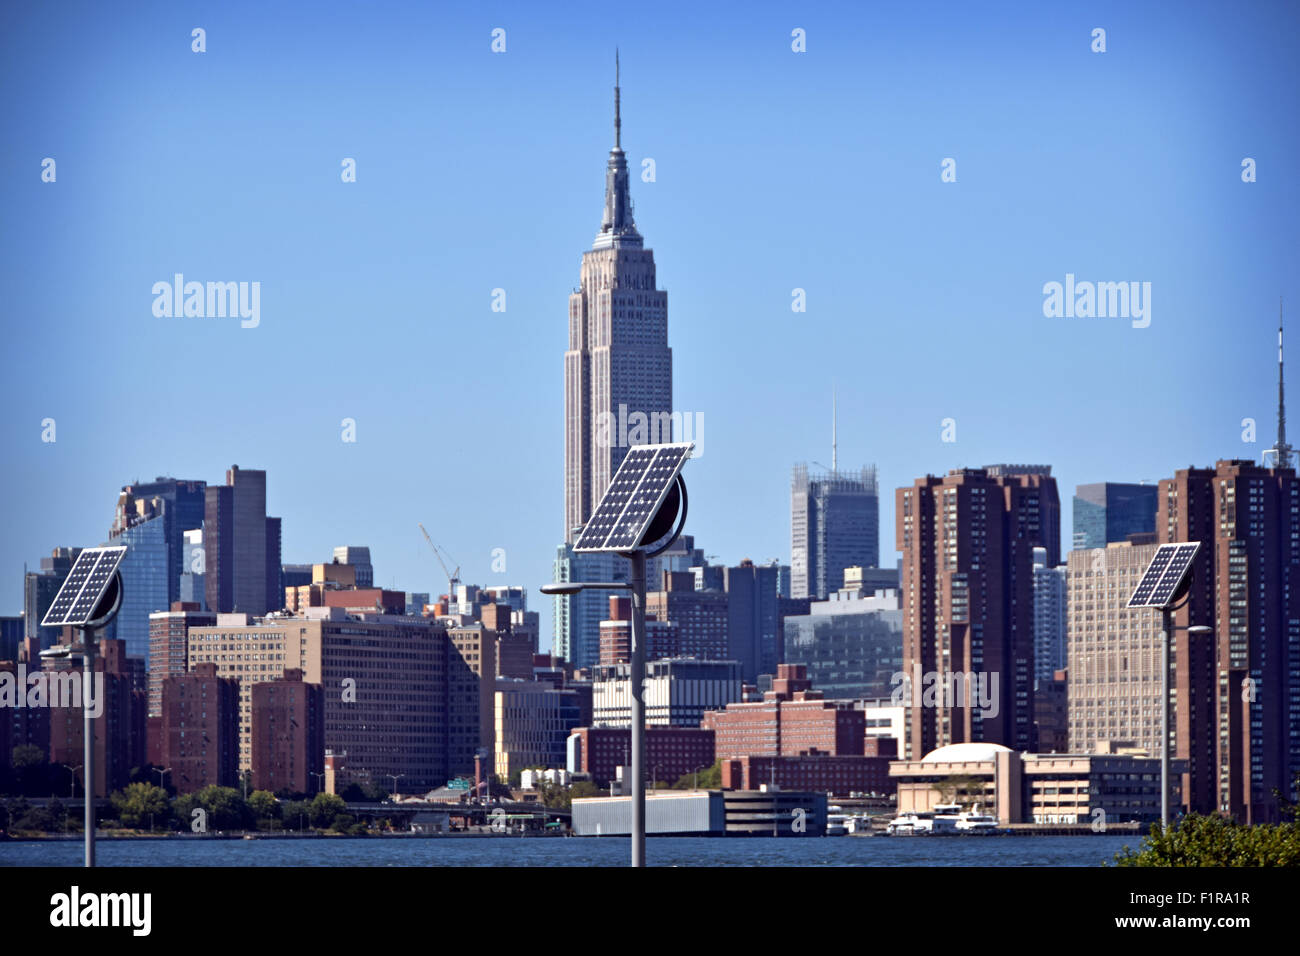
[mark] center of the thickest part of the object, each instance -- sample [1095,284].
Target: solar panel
[84,587]
[1164,575]
[639,487]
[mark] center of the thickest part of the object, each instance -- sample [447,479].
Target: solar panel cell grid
[84,586]
[633,497]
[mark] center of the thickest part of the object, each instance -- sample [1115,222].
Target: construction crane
[453,577]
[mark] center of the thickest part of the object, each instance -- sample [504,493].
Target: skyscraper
[241,546]
[183,512]
[1109,512]
[834,524]
[1114,653]
[753,622]
[1049,617]
[141,525]
[967,586]
[1236,717]
[618,365]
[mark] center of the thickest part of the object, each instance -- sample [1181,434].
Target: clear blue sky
[775,170]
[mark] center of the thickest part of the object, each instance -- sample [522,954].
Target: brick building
[200,729]
[119,728]
[818,773]
[968,599]
[671,752]
[168,645]
[288,733]
[792,719]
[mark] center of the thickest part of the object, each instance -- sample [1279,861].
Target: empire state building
[618,362]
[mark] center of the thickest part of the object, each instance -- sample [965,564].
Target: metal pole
[638,707]
[88,733]
[1166,631]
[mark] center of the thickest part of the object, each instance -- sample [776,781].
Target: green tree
[264,805]
[324,808]
[226,808]
[296,814]
[1197,840]
[710,778]
[32,772]
[140,803]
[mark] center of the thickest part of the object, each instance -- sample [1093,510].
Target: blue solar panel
[84,587]
[1164,575]
[639,487]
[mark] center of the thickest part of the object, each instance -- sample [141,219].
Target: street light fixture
[89,597]
[640,515]
[1167,579]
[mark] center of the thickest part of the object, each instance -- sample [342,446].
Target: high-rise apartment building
[834,524]
[967,590]
[200,729]
[1237,694]
[1109,511]
[1114,675]
[169,645]
[119,728]
[1049,617]
[384,677]
[618,364]
[288,733]
[241,546]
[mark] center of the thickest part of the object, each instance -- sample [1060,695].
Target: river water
[582,851]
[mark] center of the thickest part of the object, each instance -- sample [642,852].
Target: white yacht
[972,821]
[911,823]
[946,819]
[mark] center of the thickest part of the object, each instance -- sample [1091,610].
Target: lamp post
[395,777]
[640,515]
[320,774]
[636,678]
[162,776]
[1166,633]
[72,783]
[72,792]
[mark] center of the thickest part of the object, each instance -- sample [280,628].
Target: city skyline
[356,336]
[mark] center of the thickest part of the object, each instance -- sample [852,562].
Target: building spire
[617,227]
[1282,451]
[835,462]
